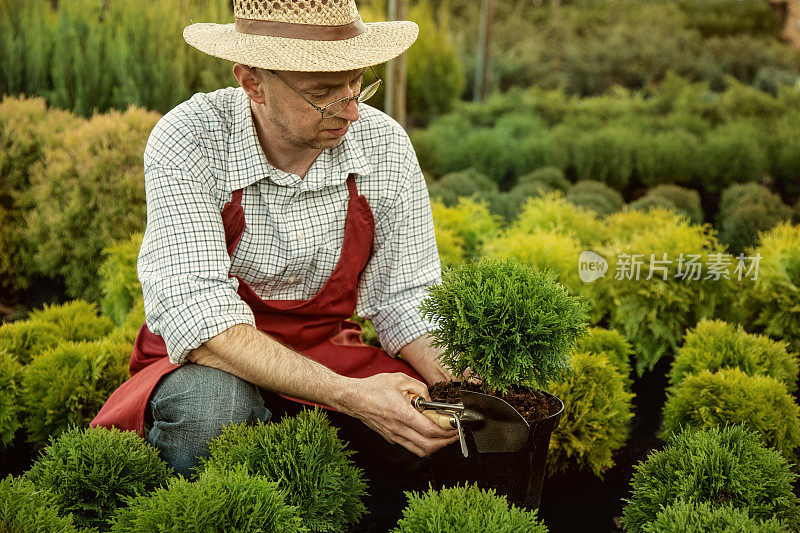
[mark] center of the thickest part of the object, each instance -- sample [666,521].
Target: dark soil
[531,404]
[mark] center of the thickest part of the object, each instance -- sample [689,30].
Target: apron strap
[351,186]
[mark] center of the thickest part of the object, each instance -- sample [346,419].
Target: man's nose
[350,112]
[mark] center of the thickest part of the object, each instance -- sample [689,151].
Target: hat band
[309,32]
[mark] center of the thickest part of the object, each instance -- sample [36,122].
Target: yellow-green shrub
[653,313]
[710,399]
[76,320]
[714,345]
[554,213]
[25,339]
[87,193]
[69,384]
[769,303]
[450,245]
[597,413]
[10,374]
[470,220]
[118,279]
[614,345]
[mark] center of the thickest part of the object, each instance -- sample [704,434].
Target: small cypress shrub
[25,508]
[77,320]
[220,500]
[93,471]
[554,213]
[450,246]
[699,517]
[496,154]
[305,457]
[119,281]
[686,201]
[596,418]
[596,196]
[507,322]
[467,509]
[745,211]
[784,152]
[731,154]
[126,332]
[549,177]
[539,151]
[709,399]
[714,345]
[441,148]
[720,466]
[26,339]
[470,220]
[614,345]
[666,157]
[606,156]
[648,203]
[10,374]
[70,383]
[769,303]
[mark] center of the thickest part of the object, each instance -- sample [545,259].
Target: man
[274,210]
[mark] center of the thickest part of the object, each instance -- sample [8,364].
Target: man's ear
[251,81]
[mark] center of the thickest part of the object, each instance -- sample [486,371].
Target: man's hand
[425,359]
[382,403]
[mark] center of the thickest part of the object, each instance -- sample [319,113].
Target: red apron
[317,328]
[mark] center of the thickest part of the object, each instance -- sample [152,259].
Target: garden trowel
[495,425]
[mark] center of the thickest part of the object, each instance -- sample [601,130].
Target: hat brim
[380,42]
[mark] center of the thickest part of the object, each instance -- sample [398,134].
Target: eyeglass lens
[338,106]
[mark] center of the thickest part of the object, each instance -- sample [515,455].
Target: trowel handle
[443,421]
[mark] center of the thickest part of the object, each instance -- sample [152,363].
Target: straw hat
[303,35]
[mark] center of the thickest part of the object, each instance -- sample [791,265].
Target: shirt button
[301,236]
[291,279]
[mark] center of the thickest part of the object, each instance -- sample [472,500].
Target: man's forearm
[256,357]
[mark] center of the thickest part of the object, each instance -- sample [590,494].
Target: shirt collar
[247,163]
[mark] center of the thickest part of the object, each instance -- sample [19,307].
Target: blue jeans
[192,405]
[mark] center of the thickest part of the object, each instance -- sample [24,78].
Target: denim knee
[192,405]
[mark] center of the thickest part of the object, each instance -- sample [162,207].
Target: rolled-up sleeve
[405,260]
[183,264]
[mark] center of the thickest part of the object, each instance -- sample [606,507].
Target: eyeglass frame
[356,97]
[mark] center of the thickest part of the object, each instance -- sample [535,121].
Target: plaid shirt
[206,148]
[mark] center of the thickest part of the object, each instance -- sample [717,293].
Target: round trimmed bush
[441,147]
[305,457]
[508,322]
[70,383]
[26,508]
[666,157]
[709,399]
[230,501]
[745,211]
[714,345]
[595,195]
[25,339]
[470,220]
[686,201]
[550,177]
[606,155]
[785,152]
[10,374]
[494,153]
[721,466]
[699,517]
[614,345]
[731,154]
[467,509]
[554,213]
[77,320]
[596,418]
[93,471]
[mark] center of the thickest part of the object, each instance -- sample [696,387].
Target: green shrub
[455,185]
[709,399]
[79,210]
[230,501]
[551,177]
[540,151]
[745,211]
[93,471]
[731,154]
[450,246]
[596,196]
[506,321]
[25,339]
[496,154]
[648,203]
[666,157]
[769,303]
[730,17]
[784,152]
[611,343]
[470,220]
[606,156]
[549,250]
[119,281]
[699,517]
[686,201]
[714,345]
[10,374]
[720,466]
[305,457]
[126,332]
[441,147]
[596,417]
[77,320]
[467,509]
[69,384]
[653,306]
[554,213]
[25,508]
[741,57]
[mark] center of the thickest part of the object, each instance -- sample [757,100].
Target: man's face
[300,123]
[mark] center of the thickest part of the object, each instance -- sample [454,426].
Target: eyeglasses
[334,108]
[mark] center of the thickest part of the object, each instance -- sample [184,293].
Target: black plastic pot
[518,475]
